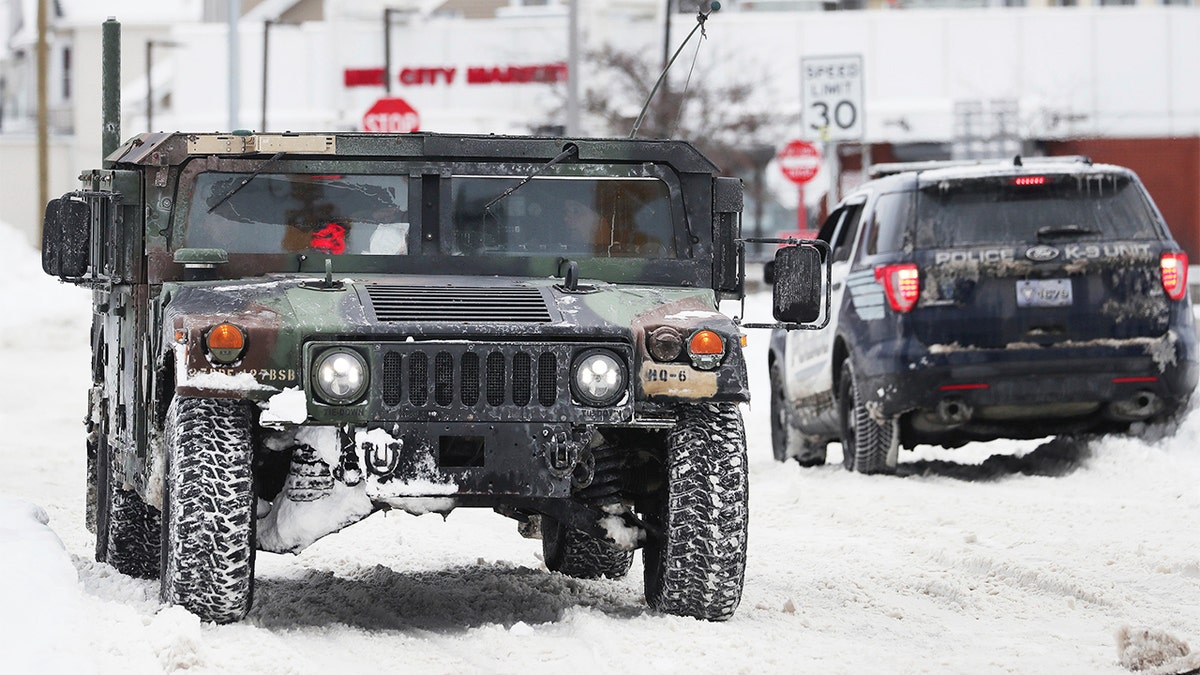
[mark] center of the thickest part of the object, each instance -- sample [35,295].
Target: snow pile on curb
[38,577]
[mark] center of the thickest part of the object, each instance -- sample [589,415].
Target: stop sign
[392,115]
[799,161]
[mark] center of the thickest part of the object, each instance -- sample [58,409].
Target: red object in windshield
[331,239]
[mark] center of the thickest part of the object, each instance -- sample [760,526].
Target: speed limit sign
[832,96]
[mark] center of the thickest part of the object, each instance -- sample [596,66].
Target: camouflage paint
[153,314]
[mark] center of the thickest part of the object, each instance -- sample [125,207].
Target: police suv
[977,301]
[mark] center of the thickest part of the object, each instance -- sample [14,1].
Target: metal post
[43,114]
[387,51]
[834,165]
[667,37]
[150,45]
[235,85]
[573,68]
[110,60]
[265,59]
[149,86]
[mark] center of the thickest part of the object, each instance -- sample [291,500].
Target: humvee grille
[511,381]
[424,303]
[453,365]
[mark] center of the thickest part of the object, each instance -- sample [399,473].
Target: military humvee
[292,331]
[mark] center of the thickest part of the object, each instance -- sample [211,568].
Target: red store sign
[512,74]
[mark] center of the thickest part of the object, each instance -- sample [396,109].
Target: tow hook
[382,458]
[563,449]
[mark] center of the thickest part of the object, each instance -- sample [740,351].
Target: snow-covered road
[997,558]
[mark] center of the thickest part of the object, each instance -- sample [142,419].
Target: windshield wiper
[569,150]
[246,181]
[1051,231]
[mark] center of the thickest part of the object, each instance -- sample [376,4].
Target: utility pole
[43,114]
[573,68]
[235,84]
[150,45]
[266,60]
[387,48]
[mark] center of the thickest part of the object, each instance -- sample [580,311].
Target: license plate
[1044,293]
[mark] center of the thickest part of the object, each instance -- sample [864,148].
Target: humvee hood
[441,307]
[278,314]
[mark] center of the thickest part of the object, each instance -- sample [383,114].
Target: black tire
[697,566]
[579,555]
[208,504]
[92,481]
[786,439]
[128,530]
[868,445]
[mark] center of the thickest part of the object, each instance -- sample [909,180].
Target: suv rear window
[1032,209]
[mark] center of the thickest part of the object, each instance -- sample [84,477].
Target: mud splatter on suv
[976,301]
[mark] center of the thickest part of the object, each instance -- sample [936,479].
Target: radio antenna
[701,17]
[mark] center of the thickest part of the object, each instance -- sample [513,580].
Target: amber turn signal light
[225,342]
[706,342]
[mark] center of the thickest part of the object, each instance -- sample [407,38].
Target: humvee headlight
[665,343]
[225,343]
[339,376]
[706,349]
[598,378]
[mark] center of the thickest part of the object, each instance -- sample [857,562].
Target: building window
[1178,3]
[1116,3]
[1064,3]
[66,74]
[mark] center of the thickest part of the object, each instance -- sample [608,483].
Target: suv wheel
[128,530]
[786,440]
[580,555]
[208,503]
[695,567]
[868,445]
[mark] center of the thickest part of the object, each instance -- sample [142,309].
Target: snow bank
[39,594]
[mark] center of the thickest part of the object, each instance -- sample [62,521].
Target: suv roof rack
[892,168]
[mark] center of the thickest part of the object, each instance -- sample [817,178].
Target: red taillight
[1174,266]
[964,387]
[1029,180]
[901,283]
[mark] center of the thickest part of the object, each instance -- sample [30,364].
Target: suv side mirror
[796,295]
[66,238]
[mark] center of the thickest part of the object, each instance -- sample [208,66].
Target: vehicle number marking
[260,374]
[1044,293]
[676,380]
[664,375]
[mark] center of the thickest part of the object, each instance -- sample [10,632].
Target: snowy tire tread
[580,555]
[699,567]
[208,561]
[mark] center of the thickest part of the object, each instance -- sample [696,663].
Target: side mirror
[796,295]
[66,238]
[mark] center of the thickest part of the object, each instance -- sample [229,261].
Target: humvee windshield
[369,214]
